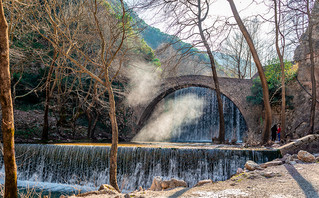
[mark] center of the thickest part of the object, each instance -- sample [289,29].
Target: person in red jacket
[278,132]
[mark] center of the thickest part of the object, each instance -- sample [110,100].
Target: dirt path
[286,181]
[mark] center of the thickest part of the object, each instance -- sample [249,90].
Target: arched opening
[191,116]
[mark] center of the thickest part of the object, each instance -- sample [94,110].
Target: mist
[170,116]
[144,81]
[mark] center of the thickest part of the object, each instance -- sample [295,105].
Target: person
[278,132]
[273,132]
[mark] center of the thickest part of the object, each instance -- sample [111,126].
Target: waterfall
[206,126]
[89,165]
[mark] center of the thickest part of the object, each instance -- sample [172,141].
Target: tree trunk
[221,137]
[89,117]
[312,73]
[283,86]
[113,152]
[268,117]
[7,127]
[94,125]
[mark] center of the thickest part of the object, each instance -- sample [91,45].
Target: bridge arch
[234,89]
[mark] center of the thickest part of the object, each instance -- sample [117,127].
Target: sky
[219,8]
[245,8]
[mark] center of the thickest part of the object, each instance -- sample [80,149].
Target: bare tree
[7,125]
[99,54]
[268,116]
[202,14]
[280,52]
[236,55]
[185,19]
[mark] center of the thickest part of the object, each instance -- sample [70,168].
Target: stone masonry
[235,89]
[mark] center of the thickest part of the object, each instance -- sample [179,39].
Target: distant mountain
[195,61]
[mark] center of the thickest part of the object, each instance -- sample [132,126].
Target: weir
[89,165]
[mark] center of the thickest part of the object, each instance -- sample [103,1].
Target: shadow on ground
[305,185]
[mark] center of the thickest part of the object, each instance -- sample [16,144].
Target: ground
[287,181]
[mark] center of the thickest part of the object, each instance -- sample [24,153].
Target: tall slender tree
[186,19]
[200,18]
[268,116]
[7,125]
[280,53]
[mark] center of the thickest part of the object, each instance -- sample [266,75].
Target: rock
[174,183]
[251,165]
[294,156]
[126,196]
[271,163]
[239,170]
[140,188]
[203,182]
[267,174]
[306,157]
[165,184]
[107,187]
[276,145]
[156,184]
[292,162]
[286,158]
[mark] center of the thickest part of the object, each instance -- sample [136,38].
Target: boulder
[165,184]
[156,184]
[174,183]
[126,196]
[271,163]
[106,187]
[251,165]
[267,174]
[306,157]
[203,182]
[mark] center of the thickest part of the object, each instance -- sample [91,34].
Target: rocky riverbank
[293,176]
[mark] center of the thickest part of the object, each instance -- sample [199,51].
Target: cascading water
[88,165]
[196,129]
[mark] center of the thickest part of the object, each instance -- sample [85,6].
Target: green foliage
[273,76]
[273,72]
[256,96]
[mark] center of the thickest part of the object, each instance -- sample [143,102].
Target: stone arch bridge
[235,89]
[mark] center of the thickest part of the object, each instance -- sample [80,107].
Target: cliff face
[302,53]
[298,118]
